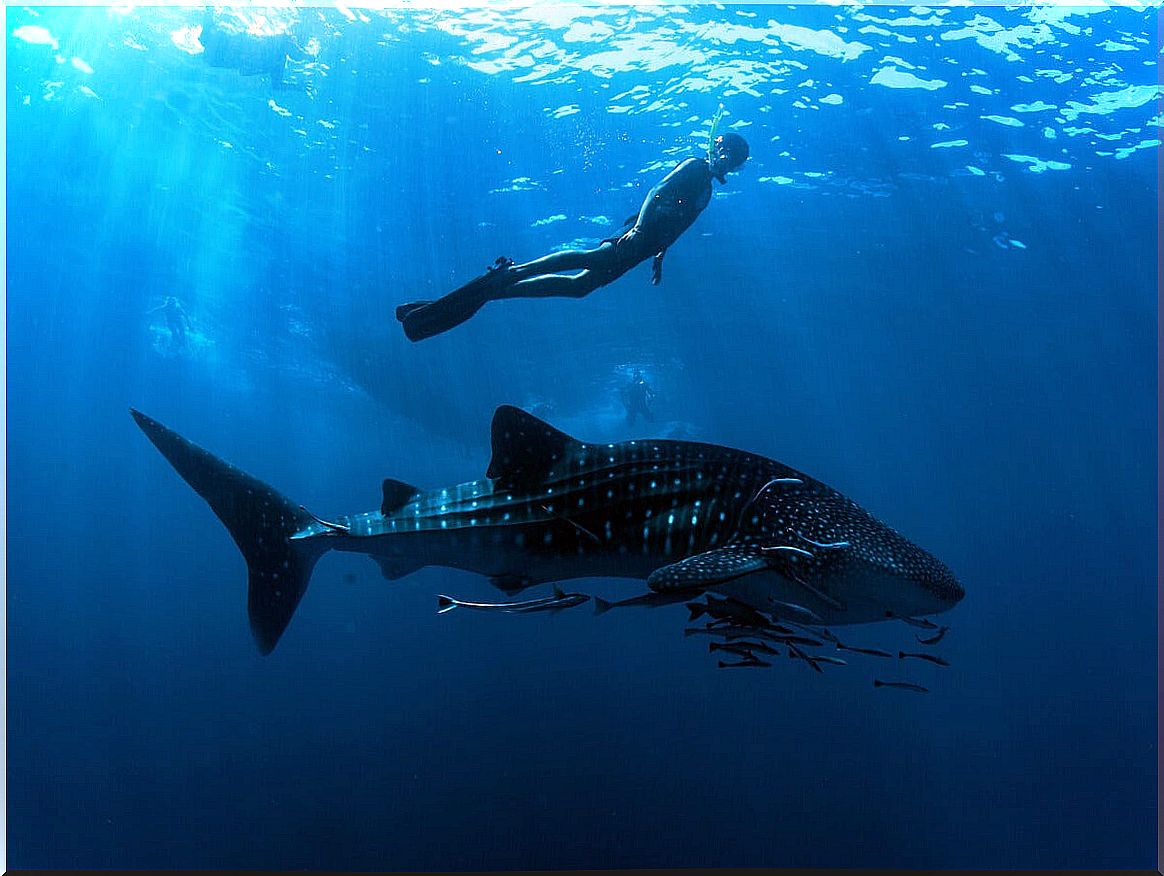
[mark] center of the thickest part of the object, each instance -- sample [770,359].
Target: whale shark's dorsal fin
[525,449]
[397,494]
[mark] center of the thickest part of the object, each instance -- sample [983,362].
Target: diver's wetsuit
[635,397]
[668,210]
[249,54]
[176,322]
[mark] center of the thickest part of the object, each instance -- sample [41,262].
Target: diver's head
[730,151]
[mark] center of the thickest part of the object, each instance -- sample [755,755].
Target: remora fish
[647,600]
[932,658]
[556,602]
[902,685]
[740,646]
[934,639]
[753,662]
[683,515]
[875,652]
[727,609]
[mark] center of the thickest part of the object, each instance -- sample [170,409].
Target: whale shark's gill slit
[334,527]
[573,523]
[818,592]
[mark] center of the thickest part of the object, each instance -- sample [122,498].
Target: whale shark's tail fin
[261,522]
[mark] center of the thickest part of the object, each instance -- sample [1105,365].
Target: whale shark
[686,517]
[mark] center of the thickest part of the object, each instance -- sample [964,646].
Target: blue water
[933,287]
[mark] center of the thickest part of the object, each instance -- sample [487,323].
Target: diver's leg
[555,286]
[566,260]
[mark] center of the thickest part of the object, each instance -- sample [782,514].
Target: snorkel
[711,135]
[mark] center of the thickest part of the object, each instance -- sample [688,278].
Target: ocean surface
[933,286]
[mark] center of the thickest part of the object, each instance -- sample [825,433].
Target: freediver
[668,210]
[176,321]
[635,396]
[250,54]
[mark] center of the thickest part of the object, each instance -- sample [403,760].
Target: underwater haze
[933,286]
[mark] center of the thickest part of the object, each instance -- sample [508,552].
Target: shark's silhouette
[687,517]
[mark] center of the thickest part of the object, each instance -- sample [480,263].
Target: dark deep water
[933,287]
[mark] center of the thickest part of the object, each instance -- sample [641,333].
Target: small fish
[824,658]
[780,638]
[746,629]
[739,647]
[735,634]
[871,651]
[933,640]
[703,631]
[815,631]
[793,651]
[646,600]
[794,640]
[752,662]
[922,622]
[904,685]
[547,603]
[824,634]
[794,609]
[817,658]
[932,658]
[727,609]
[731,647]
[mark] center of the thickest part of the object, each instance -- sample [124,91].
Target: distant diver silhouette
[635,396]
[668,210]
[176,321]
[229,46]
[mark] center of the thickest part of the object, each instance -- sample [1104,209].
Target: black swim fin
[403,310]
[426,319]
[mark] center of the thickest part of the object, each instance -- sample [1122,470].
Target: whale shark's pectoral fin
[510,584]
[394,568]
[703,570]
